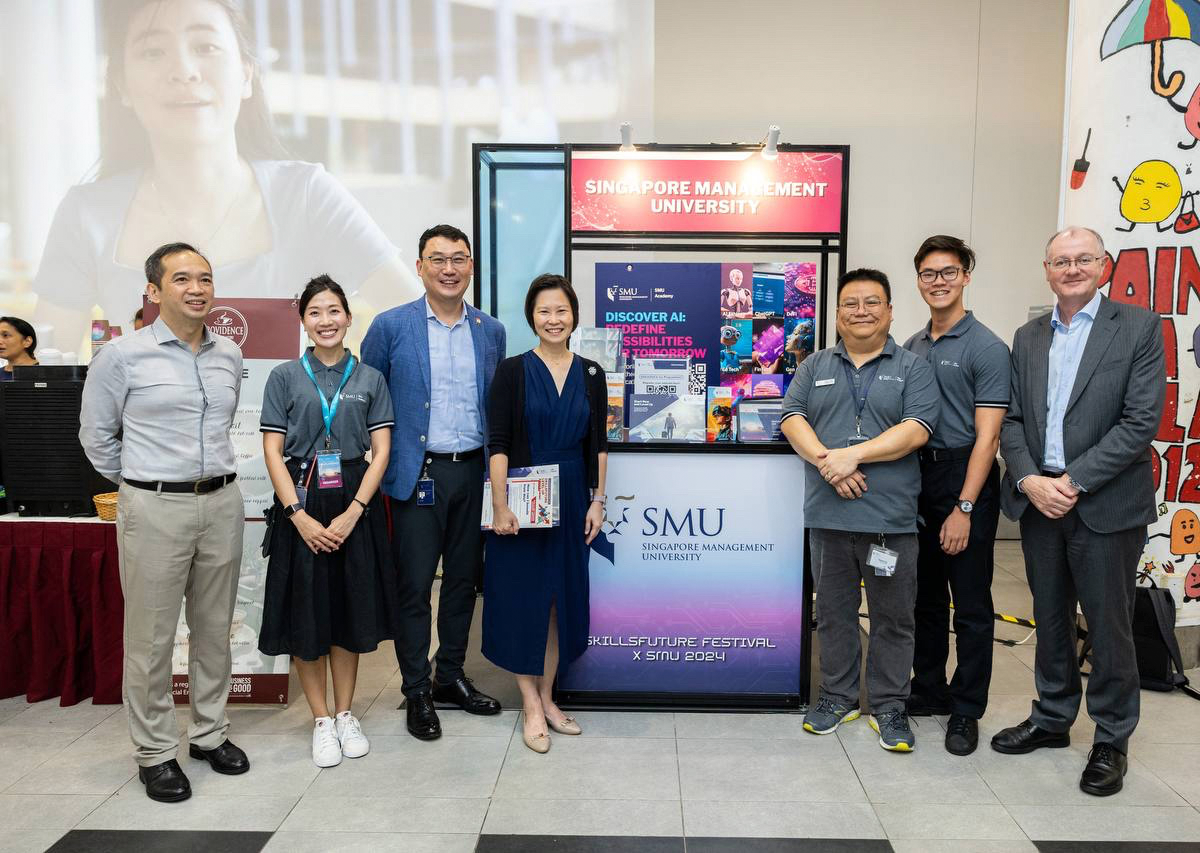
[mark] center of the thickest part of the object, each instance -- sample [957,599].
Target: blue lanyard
[860,397]
[328,410]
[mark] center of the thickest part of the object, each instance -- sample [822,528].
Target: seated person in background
[17,344]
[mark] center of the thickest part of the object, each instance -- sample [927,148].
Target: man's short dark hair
[945,243]
[154,263]
[549,281]
[449,232]
[865,274]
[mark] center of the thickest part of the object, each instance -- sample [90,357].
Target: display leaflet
[533,495]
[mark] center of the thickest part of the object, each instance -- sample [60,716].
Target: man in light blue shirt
[1066,351]
[438,354]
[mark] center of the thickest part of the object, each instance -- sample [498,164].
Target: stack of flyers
[719,411]
[758,420]
[602,346]
[616,405]
[532,496]
[661,376]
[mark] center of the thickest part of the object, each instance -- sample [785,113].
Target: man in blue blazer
[438,354]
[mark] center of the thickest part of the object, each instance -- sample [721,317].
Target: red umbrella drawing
[1152,22]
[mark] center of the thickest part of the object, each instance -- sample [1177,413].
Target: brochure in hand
[532,496]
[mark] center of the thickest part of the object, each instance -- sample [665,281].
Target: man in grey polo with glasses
[856,413]
[157,408]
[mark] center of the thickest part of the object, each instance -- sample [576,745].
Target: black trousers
[1067,562]
[967,578]
[421,535]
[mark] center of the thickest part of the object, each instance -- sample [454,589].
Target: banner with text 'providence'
[704,593]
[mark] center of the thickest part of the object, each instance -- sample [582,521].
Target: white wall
[952,109]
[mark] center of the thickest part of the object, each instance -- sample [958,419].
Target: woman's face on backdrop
[184,75]
[325,319]
[12,345]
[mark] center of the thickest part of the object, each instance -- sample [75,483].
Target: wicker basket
[106,506]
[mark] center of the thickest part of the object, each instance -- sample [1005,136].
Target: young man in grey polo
[960,495]
[857,413]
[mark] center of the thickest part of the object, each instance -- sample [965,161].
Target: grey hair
[1070,229]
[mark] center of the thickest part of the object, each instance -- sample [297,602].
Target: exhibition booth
[703,275]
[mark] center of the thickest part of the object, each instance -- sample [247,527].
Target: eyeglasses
[870,303]
[1083,262]
[948,275]
[457,261]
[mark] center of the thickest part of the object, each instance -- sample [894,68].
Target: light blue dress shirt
[455,423]
[1066,351]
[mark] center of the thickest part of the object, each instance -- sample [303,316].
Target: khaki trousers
[172,546]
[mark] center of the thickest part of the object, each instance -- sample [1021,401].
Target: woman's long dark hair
[124,143]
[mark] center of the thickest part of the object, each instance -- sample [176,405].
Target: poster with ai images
[744,326]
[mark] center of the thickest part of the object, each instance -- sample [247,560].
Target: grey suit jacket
[1112,416]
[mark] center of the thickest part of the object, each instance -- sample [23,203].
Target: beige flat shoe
[567,727]
[539,743]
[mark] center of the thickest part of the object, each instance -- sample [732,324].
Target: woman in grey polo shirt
[331,587]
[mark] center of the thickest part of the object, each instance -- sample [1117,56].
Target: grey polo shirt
[973,371]
[291,406]
[903,390]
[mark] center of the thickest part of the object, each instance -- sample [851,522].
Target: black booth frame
[744,242]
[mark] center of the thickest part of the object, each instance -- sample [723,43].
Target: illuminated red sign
[707,192]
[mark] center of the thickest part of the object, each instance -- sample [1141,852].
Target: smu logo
[690,522]
[622,294]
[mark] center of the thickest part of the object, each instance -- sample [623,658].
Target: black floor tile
[788,845]
[1117,846]
[577,844]
[159,841]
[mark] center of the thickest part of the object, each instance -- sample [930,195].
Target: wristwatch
[289,511]
[966,506]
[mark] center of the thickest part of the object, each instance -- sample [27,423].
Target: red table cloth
[61,611]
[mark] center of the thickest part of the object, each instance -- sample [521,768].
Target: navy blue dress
[528,572]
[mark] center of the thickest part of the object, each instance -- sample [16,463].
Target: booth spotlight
[626,136]
[770,149]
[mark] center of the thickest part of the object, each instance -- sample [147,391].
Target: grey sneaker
[827,715]
[895,734]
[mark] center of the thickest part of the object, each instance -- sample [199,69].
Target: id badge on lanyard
[425,487]
[860,401]
[328,462]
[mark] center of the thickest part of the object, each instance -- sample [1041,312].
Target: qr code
[698,379]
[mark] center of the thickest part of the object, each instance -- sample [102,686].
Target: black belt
[456,456]
[945,454]
[196,487]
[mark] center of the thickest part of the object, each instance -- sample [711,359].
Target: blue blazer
[397,345]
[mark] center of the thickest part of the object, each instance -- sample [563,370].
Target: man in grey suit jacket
[1088,382]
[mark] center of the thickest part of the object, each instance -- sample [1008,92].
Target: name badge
[425,491]
[882,560]
[820,383]
[329,469]
[857,439]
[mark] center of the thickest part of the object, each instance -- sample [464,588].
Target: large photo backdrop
[1131,170]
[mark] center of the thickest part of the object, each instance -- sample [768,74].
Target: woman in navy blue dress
[547,406]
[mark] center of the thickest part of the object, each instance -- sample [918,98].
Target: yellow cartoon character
[1151,194]
[1185,534]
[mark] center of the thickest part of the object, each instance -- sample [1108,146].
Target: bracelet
[599,500]
[360,503]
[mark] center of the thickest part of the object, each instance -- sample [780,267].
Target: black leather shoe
[962,734]
[462,694]
[1026,737]
[226,758]
[423,723]
[1105,771]
[165,782]
[924,706]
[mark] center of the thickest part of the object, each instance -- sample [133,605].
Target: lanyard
[328,410]
[860,398]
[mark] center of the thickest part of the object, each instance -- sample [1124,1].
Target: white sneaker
[326,750]
[354,742]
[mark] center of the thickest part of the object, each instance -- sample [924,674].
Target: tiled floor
[635,781]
